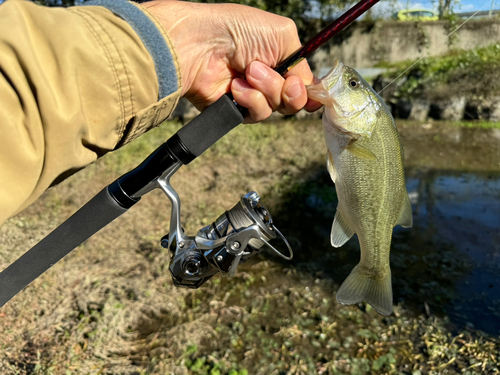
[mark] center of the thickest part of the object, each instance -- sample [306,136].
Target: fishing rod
[232,238]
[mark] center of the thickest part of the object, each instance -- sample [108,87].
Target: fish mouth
[334,75]
[334,84]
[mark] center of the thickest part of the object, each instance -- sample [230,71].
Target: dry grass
[98,307]
[110,306]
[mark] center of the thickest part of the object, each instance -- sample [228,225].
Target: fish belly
[371,195]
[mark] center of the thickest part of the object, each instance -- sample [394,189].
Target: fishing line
[440,43]
[315,142]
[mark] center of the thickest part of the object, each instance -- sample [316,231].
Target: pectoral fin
[341,230]
[360,152]
[405,217]
[330,166]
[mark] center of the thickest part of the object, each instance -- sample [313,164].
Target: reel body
[234,237]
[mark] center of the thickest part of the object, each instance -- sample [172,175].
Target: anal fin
[405,217]
[341,230]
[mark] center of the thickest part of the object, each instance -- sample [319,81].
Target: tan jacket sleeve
[74,84]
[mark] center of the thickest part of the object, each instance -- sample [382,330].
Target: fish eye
[353,83]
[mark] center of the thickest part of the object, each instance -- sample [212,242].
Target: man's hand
[229,47]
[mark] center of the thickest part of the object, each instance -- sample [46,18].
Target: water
[462,211]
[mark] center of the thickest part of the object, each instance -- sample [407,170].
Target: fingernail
[294,90]
[258,71]
[237,85]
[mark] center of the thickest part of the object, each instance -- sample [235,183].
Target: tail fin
[359,287]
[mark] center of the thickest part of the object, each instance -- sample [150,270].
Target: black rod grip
[94,215]
[211,125]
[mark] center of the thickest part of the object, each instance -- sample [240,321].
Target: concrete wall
[364,45]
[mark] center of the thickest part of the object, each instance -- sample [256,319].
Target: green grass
[437,66]
[478,124]
[472,124]
[470,72]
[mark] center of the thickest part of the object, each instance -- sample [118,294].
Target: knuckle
[290,25]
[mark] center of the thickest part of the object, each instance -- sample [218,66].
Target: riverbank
[110,306]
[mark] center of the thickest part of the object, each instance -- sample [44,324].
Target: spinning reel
[234,237]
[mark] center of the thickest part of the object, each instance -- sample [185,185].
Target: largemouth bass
[365,161]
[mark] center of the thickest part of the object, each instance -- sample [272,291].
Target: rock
[477,110]
[453,109]
[384,87]
[495,109]
[403,109]
[420,110]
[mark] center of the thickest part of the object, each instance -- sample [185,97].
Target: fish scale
[365,161]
